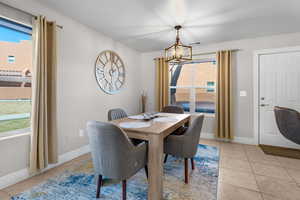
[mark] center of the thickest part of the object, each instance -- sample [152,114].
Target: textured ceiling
[147,25]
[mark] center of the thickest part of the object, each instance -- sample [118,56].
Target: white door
[279,85]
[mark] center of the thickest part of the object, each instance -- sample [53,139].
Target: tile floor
[246,173]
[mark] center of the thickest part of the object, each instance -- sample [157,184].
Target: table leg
[155,167]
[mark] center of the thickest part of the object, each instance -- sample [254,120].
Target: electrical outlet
[81,132]
[243,93]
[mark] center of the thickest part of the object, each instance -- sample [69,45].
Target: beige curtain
[224,110]
[162,83]
[44,135]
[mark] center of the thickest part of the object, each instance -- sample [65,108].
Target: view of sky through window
[10,35]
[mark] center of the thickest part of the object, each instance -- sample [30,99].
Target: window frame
[9,59]
[211,89]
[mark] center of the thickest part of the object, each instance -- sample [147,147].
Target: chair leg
[146,171]
[186,171]
[166,158]
[124,189]
[99,183]
[193,163]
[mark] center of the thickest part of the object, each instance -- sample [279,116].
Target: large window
[15,77]
[193,85]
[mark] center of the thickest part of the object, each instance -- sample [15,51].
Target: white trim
[23,174]
[277,50]
[245,140]
[207,136]
[256,57]
[240,140]
[13,178]
[256,96]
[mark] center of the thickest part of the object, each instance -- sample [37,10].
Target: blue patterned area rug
[79,182]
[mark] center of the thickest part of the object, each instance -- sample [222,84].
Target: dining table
[154,131]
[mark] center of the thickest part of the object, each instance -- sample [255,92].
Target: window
[15,77]
[210,86]
[11,59]
[192,85]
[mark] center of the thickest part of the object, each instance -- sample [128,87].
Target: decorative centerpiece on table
[144,101]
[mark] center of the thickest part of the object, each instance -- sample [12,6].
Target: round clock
[110,72]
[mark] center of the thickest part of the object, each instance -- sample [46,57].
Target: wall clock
[110,72]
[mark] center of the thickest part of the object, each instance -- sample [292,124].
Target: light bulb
[179,52]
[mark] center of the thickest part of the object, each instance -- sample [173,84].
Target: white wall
[243,77]
[79,97]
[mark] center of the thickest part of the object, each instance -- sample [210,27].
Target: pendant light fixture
[178,52]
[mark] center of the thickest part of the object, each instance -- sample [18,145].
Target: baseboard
[245,140]
[13,178]
[73,154]
[23,174]
[241,140]
[207,136]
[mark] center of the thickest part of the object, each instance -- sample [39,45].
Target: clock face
[110,72]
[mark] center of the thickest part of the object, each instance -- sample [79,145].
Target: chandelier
[178,52]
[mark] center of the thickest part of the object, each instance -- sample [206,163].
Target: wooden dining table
[157,130]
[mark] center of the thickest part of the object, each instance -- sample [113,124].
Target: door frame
[256,84]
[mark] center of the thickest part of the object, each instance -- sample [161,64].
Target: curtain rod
[212,52]
[59,26]
[28,13]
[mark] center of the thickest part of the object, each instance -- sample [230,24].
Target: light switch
[81,132]
[243,93]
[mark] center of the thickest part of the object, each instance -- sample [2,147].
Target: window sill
[7,136]
[207,115]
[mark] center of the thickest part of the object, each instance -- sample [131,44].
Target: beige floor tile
[282,189]
[289,163]
[263,158]
[270,170]
[24,185]
[52,172]
[230,192]
[252,148]
[295,174]
[210,142]
[237,178]
[270,197]
[232,144]
[235,164]
[4,195]
[240,155]
[231,147]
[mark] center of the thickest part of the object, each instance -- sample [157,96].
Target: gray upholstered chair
[288,122]
[113,154]
[177,110]
[186,145]
[172,109]
[118,113]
